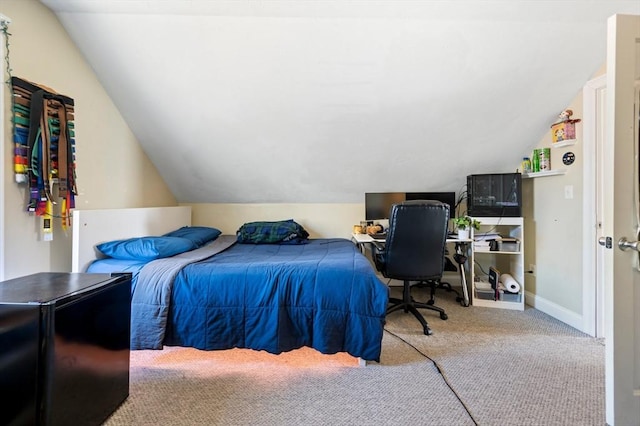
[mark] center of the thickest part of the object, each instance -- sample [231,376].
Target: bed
[322,294]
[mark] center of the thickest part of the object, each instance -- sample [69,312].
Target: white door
[622,221]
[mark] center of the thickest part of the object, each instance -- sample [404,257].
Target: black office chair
[414,252]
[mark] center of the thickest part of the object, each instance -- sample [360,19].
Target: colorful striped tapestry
[44,149]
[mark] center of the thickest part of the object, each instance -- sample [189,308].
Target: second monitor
[378,204]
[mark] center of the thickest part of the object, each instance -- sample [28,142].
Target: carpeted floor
[498,367]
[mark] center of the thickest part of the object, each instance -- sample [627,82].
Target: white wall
[554,232]
[112,169]
[322,220]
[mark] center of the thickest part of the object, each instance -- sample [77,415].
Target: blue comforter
[276,298]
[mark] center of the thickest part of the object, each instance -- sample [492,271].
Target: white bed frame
[91,227]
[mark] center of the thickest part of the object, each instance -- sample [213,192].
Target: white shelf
[567,142]
[516,253]
[545,173]
[501,304]
[507,262]
[494,221]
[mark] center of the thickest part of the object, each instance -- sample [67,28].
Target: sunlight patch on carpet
[198,363]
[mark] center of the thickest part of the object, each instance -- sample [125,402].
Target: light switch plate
[568,192]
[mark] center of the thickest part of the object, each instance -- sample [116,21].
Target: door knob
[624,244]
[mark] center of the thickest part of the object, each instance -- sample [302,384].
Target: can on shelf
[544,159]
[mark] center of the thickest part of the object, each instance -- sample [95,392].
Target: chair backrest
[416,240]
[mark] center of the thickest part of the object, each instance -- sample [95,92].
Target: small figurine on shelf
[564,116]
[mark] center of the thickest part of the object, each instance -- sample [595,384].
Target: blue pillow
[145,248]
[109,264]
[200,235]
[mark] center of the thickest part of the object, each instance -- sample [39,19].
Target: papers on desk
[486,236]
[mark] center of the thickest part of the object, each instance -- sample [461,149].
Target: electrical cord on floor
[435,364]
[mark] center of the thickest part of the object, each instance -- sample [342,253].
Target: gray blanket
[152,293]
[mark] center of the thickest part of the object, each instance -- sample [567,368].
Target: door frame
[3,132]
[592,263]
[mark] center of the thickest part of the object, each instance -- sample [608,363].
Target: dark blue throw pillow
[200,235]
[279,232]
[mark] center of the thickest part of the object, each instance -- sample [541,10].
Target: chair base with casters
[447,287]
[409,305]
[441,285]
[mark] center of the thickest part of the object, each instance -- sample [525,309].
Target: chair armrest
[378,246]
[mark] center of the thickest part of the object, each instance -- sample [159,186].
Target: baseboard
[556,311]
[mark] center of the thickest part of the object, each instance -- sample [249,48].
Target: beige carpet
[504,367]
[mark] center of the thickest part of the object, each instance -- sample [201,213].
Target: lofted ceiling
[269,101]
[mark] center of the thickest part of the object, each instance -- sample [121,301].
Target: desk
[361,240]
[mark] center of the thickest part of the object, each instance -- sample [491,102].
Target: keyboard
[379,236]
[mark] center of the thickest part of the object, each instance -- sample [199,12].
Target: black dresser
[64,348]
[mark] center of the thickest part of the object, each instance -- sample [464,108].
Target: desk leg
[461,259]
[359,244]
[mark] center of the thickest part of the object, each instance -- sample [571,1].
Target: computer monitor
[494,195]
[378,204]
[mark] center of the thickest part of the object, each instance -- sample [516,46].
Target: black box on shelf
[485,294]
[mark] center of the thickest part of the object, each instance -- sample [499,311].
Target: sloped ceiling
[321,101]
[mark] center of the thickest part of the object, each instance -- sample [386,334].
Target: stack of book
[482,245]
[485,241]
